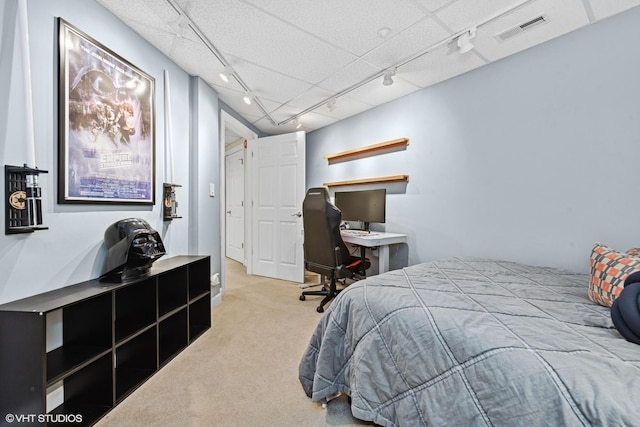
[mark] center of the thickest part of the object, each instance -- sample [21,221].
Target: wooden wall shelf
[369,150]
[375,180]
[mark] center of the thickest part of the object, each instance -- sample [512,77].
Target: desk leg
[383,258]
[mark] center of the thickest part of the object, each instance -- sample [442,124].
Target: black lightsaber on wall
[34,201]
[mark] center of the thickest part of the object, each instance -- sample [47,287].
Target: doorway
[233,134]
[278,161]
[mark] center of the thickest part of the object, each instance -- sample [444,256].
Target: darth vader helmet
[132,246]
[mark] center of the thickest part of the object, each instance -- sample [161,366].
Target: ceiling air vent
[519,29]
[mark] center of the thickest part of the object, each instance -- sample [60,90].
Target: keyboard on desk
[358,233]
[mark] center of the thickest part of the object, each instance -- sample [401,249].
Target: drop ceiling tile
[284,112]
[267,83]
[311,97]
[411,41]
[147,12]
[462,14]
[350,25]
[312,121]
[255,36]
[265,126]
[433,5]
[349,76]
[346,106]
[234,100]
[375,93]
[563,17]
[604,8]
[439,65]
[194,57]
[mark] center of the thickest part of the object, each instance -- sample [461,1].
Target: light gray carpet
[243,371]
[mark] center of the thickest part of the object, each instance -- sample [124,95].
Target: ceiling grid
[293,58]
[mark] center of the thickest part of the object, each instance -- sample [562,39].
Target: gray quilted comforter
[462,342]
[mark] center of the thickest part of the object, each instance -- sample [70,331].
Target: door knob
[229,212]
[298,214]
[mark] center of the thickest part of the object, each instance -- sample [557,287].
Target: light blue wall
[532,158]
[205,170]
[72,249]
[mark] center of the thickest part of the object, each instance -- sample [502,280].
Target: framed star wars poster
[106,124]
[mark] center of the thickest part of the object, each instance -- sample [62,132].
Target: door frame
[227,121]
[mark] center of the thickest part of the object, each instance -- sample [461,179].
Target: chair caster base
[302,298]
[320,309]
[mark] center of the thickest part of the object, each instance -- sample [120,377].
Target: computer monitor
[365,206]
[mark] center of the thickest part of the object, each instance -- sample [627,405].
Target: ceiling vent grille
[519,29]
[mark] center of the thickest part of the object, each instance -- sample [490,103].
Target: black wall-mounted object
[23,200]
[170,204]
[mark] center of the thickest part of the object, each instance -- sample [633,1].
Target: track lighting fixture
[464,40]
[297,123]
[226,74]
[388,78]
[183,23]
[331,105]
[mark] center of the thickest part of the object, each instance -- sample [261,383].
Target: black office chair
[324,251]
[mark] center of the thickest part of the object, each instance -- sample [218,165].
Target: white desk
[377,239]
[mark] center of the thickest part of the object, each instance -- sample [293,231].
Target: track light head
[331,105]
[226,74]
[464,40]
[388,78]
[247,98]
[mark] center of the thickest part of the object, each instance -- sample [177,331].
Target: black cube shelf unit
[113,336]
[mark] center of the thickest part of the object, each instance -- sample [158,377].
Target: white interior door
[234,204]
[277,191]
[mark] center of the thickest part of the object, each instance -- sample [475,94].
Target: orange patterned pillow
[634,252]
[608,271]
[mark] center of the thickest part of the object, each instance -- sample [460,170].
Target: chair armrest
[341,270]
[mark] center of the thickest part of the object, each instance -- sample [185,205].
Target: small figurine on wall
[132,246]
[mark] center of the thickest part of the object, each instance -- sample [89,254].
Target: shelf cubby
[172,335]
[88,391]
[172,290]
[135,308]
[136,360]
[199,279]
[82,341]
[199,317]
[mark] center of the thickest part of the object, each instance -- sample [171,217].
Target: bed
[466,342]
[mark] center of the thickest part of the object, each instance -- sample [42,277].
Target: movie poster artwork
[107,124]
